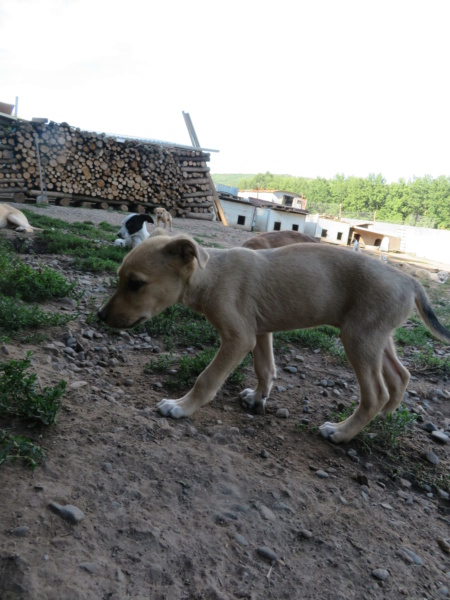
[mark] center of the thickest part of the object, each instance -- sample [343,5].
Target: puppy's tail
[428,315]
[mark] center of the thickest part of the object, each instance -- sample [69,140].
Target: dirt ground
[225,504]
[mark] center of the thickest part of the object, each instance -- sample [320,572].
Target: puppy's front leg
[231,352]
[264,364]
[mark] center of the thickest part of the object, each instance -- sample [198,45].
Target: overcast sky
[307,88]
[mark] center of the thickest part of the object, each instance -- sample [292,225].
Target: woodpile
[93,169]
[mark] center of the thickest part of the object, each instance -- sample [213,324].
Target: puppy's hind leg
[395,376]
[365,356]
[265,369]
[231,352]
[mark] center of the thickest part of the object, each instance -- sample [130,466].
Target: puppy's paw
[20,229]
[170,408]
[119,242]
[250,399]
[331,431]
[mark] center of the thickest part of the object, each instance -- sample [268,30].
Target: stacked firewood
[75,167]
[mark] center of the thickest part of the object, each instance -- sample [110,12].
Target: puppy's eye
[134,284]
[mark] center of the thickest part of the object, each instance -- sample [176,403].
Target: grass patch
[31,285]
[18,447]
[323,338]
[15,316]
[179,325]
[381,435]
[19,396]
[188,367]
[207,244]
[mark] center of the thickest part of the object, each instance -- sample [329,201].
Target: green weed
[189,367]
[19,396]
[382,434]
[31,285]
[320,338]
[178,325]
[15,316]
[15,447]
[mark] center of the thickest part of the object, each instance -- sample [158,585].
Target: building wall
[287,221]
[337,232]
[233,210]
[433,244]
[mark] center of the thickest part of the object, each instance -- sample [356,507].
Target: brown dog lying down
[277,239]
[248,294]
[13,218]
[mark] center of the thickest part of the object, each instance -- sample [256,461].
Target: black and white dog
[133,231]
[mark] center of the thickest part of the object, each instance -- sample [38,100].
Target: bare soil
[225,504]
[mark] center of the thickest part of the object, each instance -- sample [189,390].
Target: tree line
[421,201]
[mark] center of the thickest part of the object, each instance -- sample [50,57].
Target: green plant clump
[19,396]
[16,316]
[31,285]
[14,447]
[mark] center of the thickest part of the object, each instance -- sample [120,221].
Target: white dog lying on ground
[13,218]
[133,231]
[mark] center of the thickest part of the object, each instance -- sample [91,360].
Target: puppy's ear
[186,250]
[147,218]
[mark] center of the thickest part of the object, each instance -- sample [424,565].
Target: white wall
[233,210]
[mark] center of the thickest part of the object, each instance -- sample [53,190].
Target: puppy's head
[152,277]
[160,211]
[133,224]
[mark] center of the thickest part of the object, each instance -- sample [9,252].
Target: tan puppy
[164,216]
[14,219]
[276,239]
[248,294]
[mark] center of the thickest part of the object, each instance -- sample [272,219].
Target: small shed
[375,240]
[335,232]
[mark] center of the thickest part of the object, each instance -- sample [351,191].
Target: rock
[282,413]
[76,385]
[322,474]
[267,513]
[381,574]
[21,531]
[267,553]
[440,436]
[409,556]
[68,512]
[290,369]
[430,457]
[444,545]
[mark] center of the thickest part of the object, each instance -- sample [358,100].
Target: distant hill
[231,179]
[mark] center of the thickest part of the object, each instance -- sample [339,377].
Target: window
[241,220]
[287,200]
[277,226]
[294,227]
[324,232]
[339,235]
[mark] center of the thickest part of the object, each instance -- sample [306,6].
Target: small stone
[20,531]
[89,567]
[440,436]
[241,539]
[305,533]
[290,369]
[444,545]
[76,385]
[267,553]
[381,574]
[322,474]
[267,513]
[430,427]
[409,556]
[282,413]
[68,512]
[431,457]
